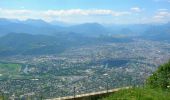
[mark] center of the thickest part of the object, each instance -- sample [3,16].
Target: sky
[88,11]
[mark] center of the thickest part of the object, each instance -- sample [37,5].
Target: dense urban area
[85,49]
[87,68]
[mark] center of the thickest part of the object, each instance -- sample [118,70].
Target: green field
[9,70]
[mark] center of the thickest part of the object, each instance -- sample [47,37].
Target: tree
[160,78]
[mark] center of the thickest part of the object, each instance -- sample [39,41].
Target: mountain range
[39,37]
[33,26]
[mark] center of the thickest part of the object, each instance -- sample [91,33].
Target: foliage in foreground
[160,78]
[157,87]
[140,94]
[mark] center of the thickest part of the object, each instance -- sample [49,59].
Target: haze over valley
[90,49]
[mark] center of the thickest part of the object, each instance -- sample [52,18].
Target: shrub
[160,78]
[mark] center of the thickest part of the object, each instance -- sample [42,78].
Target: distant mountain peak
[35,22]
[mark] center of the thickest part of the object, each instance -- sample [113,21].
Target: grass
[140,94]
[9,69]
[159,79]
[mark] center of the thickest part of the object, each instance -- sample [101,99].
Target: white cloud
[136,9]
[63,15]
[72,12]
[162,9]
[18,14]
[162,16]
[13,12]
[86,15]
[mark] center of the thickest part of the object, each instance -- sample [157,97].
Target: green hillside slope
[140,94]
[156,88]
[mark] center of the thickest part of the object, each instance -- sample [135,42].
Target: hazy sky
[81,11]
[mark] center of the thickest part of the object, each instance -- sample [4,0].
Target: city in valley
[88,68]
[54,49]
